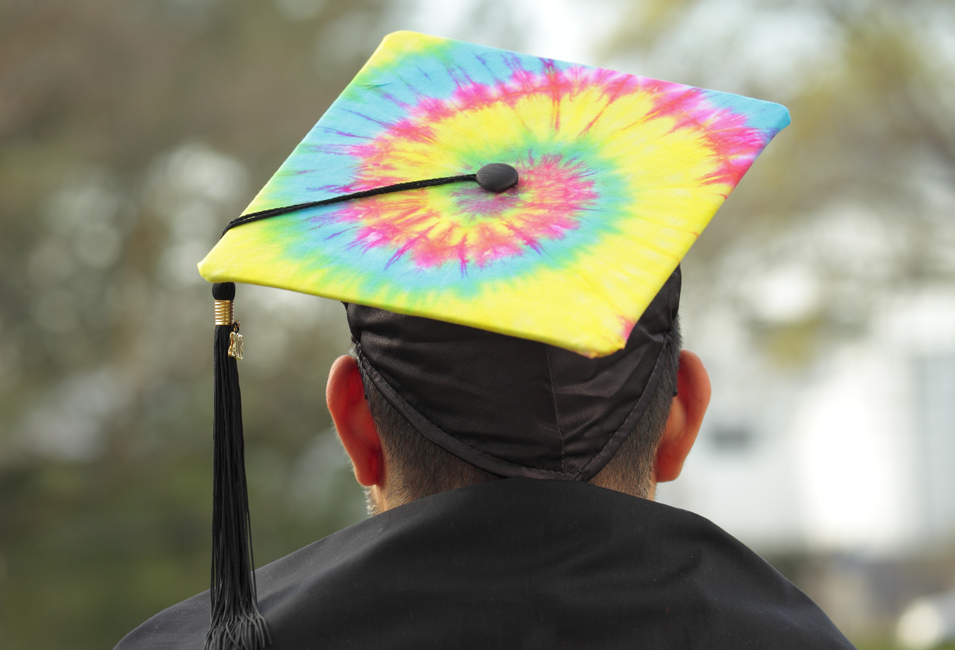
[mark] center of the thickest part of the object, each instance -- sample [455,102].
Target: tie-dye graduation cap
[521,196]
[618,175]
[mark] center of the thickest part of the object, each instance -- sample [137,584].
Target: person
[456,557]
[508,419]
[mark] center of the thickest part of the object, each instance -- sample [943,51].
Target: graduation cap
[475,209]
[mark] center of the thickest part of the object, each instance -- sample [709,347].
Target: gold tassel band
[224,312]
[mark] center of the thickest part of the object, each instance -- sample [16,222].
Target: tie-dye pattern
[618,176]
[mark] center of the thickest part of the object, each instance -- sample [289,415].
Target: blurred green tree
[860,189]
[131,131]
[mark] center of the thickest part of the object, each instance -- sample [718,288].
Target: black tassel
[236,621]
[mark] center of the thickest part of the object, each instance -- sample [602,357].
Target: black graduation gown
[521,563]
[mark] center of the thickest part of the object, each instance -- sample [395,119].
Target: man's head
[398,464]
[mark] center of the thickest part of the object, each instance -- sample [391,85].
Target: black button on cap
[497,177]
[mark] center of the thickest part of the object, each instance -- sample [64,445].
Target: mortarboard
[475,209]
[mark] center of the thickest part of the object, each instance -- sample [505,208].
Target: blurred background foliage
[131,131]
[864,176]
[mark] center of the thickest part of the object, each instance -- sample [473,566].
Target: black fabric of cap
[510,406]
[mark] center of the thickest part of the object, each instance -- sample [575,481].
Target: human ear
[686,415]
[345,395]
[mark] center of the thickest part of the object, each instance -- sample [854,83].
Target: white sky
[560,29]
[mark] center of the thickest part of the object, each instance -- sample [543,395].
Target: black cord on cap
[495,177]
